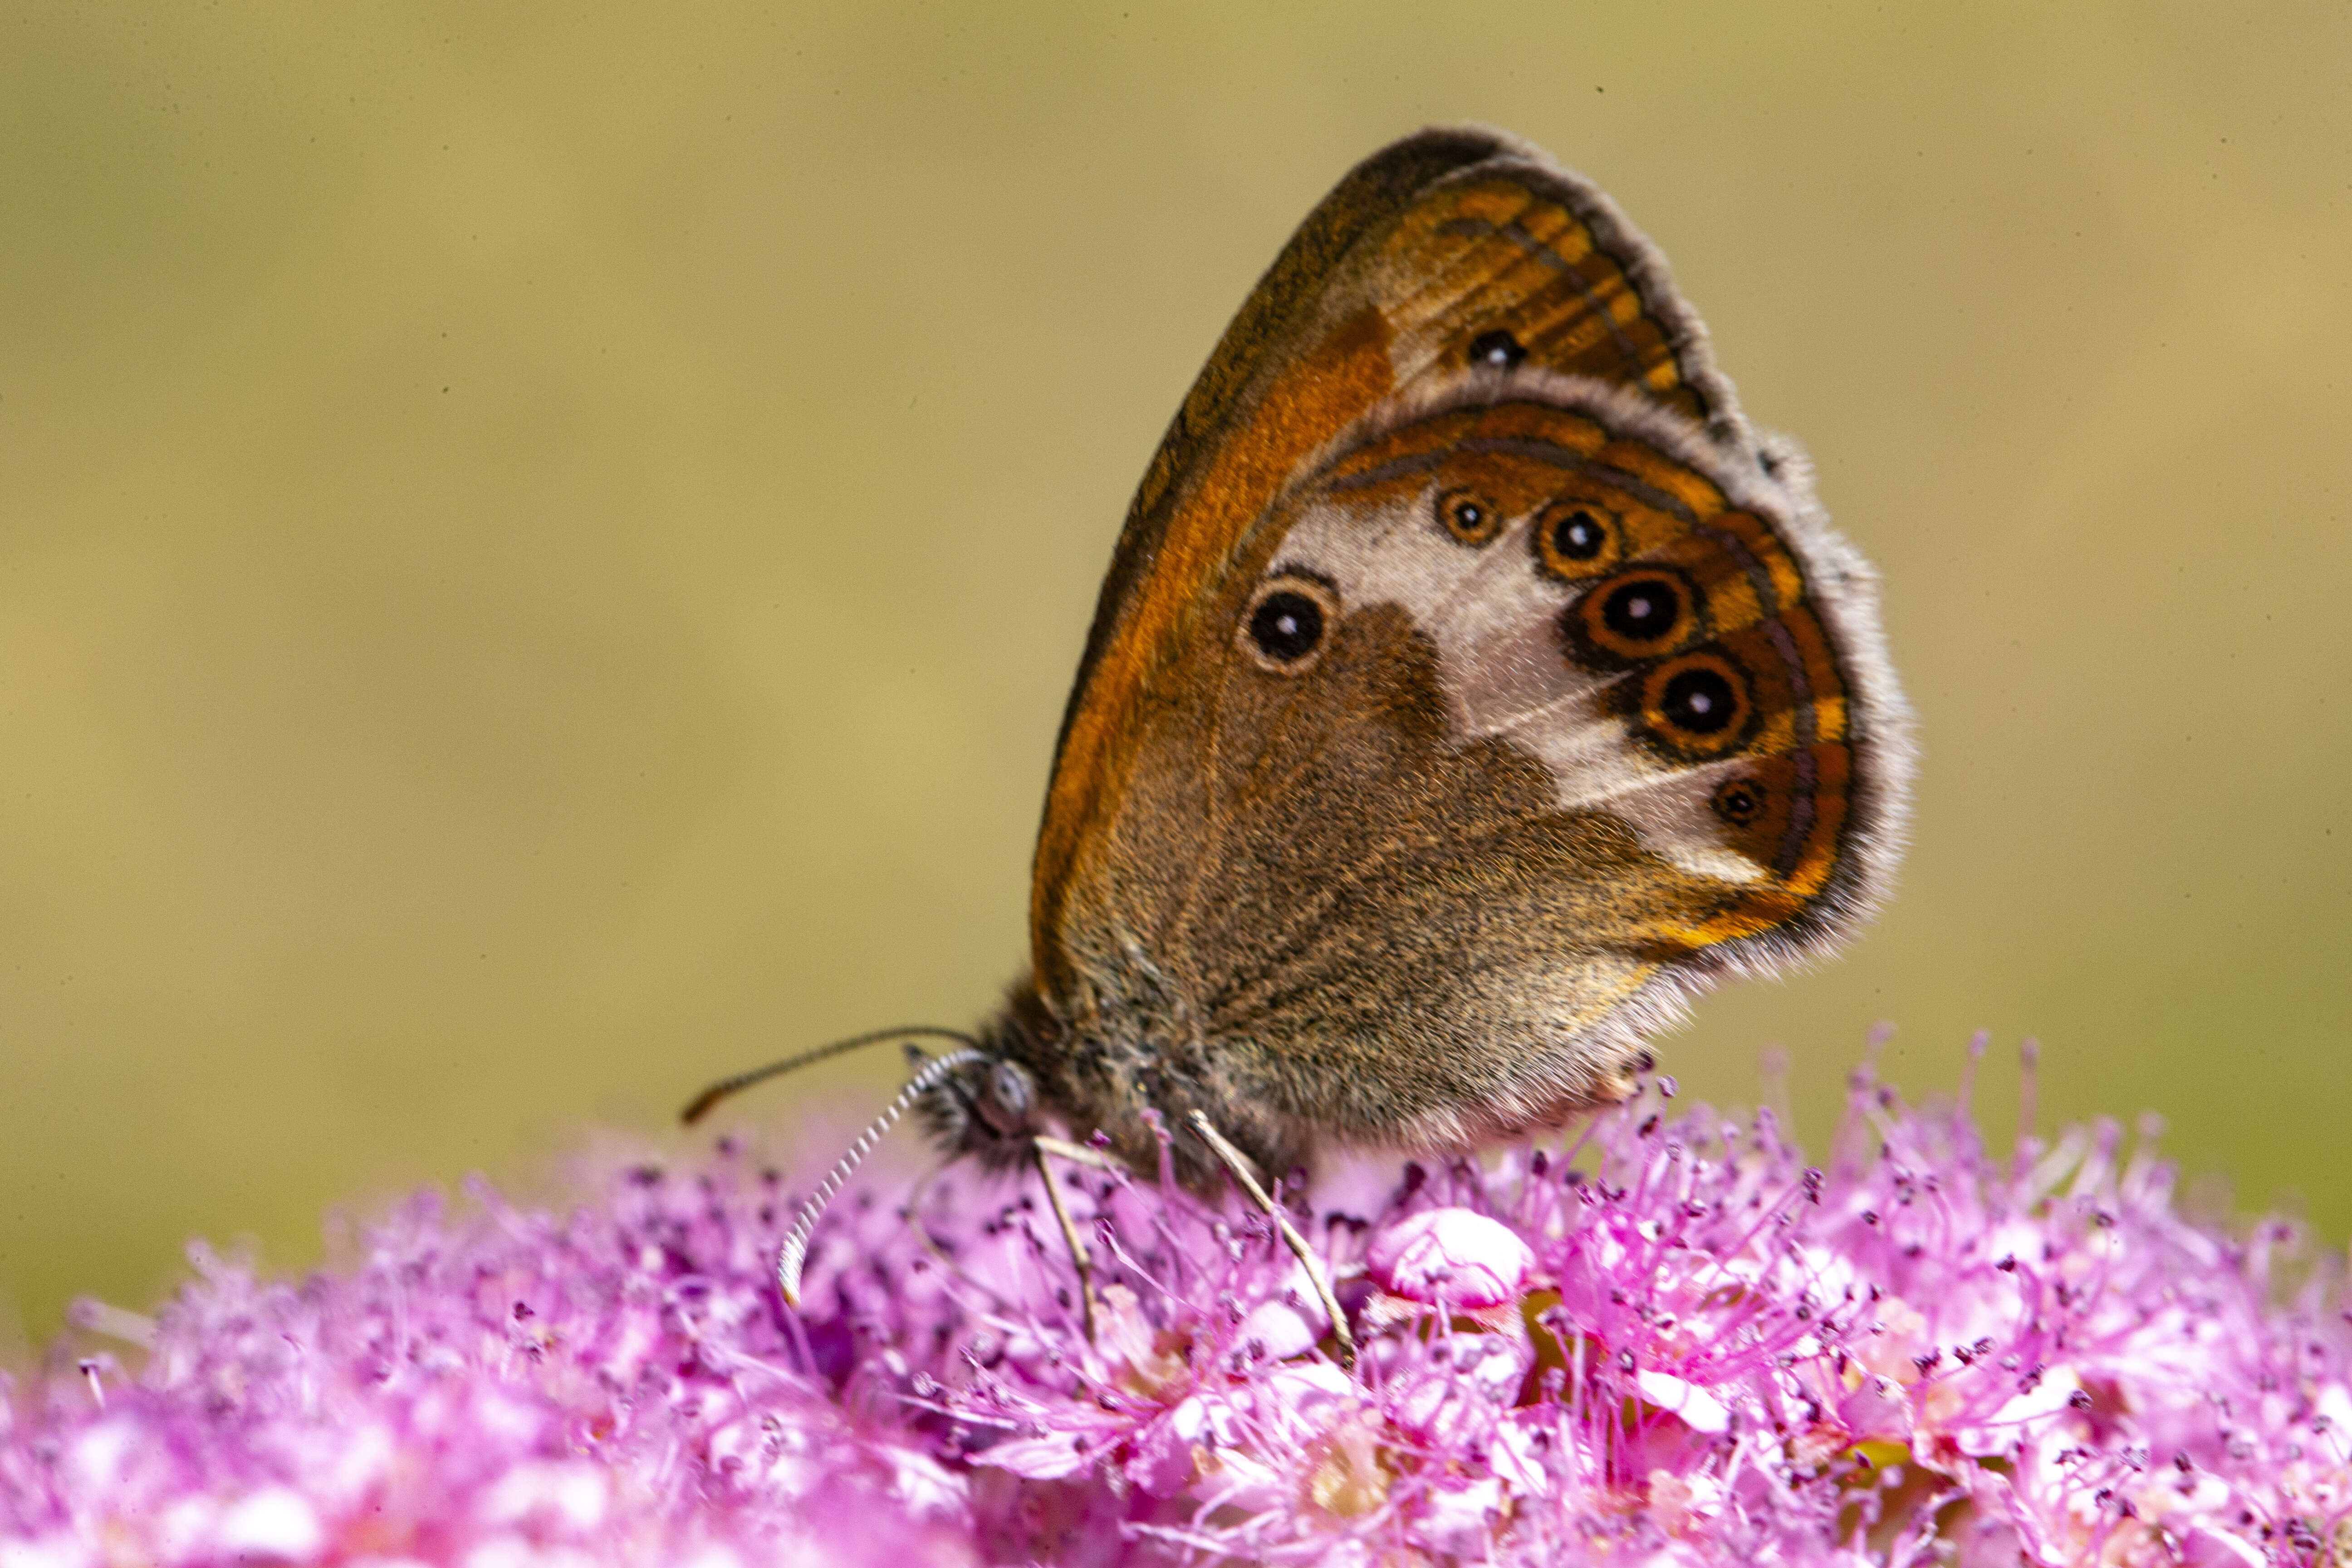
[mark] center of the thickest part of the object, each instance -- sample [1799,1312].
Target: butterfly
[1471,686]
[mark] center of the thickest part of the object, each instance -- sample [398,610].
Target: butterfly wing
[1425,880]
[1444,242]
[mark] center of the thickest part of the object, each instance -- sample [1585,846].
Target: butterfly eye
[1008,1087]
[1285,627]
[1740,802]
[1576,540]
[1468,517]
[1697,705]
[1499,349]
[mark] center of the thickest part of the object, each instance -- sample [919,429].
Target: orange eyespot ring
[1699,705]
[1639,614]
[1577,540]
[1289,620]
[1468,516]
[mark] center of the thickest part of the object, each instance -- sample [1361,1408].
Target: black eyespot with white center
[1641,611]
[1633,616]
[1497,349]
[1576,540]
[1579,535]
[1697,705]
[1287,622]
[1286,627]
[1700,702]
[1468,516]
[1740,801]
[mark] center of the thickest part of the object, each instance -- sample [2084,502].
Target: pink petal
[1458,1253]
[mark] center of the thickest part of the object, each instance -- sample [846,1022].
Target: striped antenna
[700,1105]
[797,1240]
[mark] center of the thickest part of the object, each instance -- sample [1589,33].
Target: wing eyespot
[1643,612]
[1468,517]
[1289,621]
[1699,705]
[1576,540]
[1740,800]
[1499,350]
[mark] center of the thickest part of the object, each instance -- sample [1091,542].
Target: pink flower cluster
[1674,1343]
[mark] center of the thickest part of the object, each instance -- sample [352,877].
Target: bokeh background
[542,547]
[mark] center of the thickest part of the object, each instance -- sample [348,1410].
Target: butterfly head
[996,1103]
[986,1109]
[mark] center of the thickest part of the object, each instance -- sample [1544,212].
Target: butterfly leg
[1238,1164]
[1079,1256]
[1078,1153]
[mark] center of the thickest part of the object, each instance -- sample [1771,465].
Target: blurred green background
[544,547]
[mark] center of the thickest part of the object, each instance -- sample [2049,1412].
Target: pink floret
[1454,1254]
[1676,1344]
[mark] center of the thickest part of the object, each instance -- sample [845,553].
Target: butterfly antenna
[795,1248]
[700,1105]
